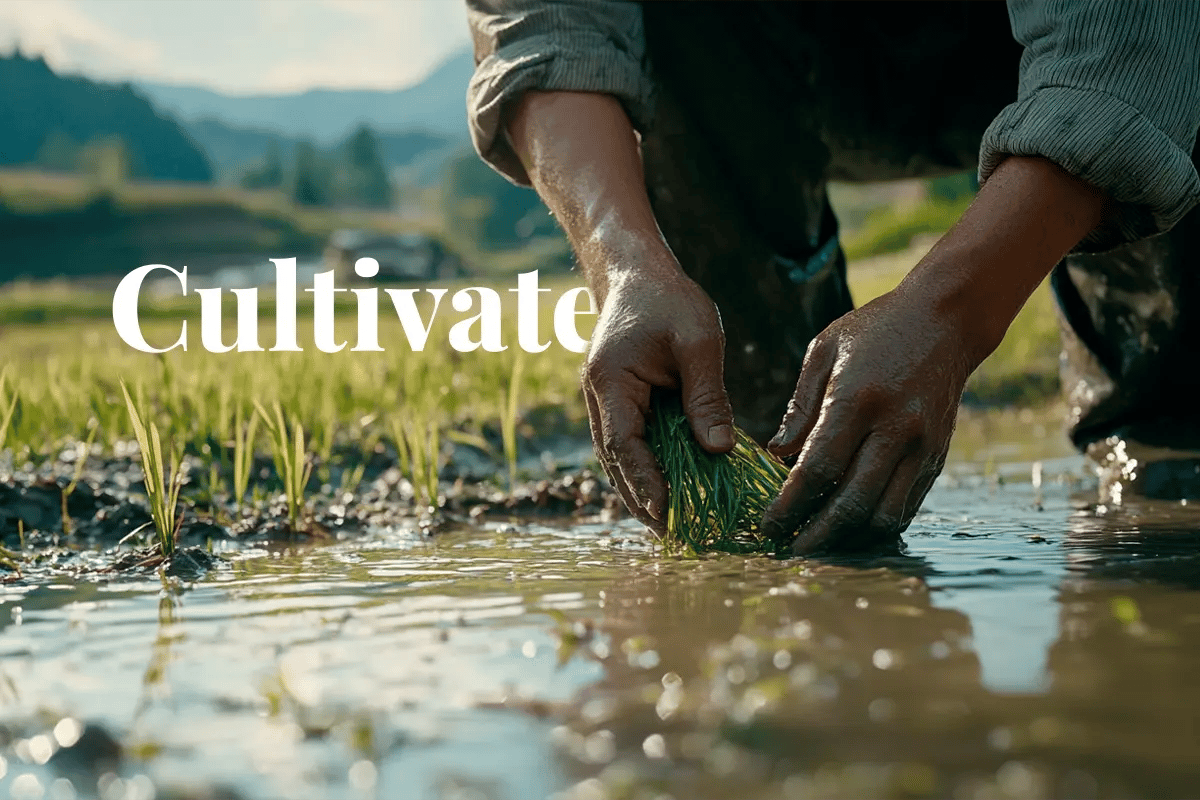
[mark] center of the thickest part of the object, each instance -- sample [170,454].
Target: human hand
[657,328]
[871,420]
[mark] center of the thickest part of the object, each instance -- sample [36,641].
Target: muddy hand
[871,421]
[660,331]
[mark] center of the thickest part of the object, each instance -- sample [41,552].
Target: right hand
[657,328]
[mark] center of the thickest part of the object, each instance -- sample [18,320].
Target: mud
[1028,641]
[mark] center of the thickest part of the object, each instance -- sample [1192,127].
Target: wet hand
[657,328]
[870,421]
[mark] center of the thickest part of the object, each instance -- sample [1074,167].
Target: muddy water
[1025,645]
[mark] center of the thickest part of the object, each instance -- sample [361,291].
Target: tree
[106,160]
[482,206]
[37,103]
[268,174]
[363,178]
[310,181]
[59,152]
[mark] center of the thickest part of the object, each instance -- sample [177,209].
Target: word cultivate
[481,327]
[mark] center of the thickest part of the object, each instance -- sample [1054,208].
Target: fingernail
[777,439]
[653,509]
[720,436]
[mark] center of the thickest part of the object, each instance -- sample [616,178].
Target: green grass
[163,483]
[244,440]
[292,464]
[33,192]
[890,230]
[64,380]
[8,406]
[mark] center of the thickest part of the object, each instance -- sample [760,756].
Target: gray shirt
[1108,90]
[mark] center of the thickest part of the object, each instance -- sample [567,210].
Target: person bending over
[685,150]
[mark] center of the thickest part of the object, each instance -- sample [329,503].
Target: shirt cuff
[1108,143]
[545,65]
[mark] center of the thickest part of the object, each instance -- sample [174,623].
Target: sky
[241,46]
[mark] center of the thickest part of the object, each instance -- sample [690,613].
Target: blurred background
[219,134]
[216,134]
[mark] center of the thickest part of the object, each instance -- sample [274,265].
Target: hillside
[232,148]
[72,112]
[437,104]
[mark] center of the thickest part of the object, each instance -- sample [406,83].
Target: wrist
[1027,216]
[620,257]
[960,294]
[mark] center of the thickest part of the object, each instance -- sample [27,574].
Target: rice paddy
[230,435]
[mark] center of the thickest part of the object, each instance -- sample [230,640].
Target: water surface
[1027,644]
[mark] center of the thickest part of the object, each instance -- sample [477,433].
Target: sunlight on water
[1023,646]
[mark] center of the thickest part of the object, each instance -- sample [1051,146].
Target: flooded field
[1026,644]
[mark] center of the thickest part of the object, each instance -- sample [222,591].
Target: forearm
[582,156]
[1027,216]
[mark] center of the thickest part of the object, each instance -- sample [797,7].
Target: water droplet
[655,746]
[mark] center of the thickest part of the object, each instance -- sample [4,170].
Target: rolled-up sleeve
[571,45]
[1110,91]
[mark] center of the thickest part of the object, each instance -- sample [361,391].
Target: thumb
[705,402]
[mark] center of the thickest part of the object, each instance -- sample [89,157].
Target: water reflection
[1025,644]
[1022,664]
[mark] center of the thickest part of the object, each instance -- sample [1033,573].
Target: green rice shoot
[714,501]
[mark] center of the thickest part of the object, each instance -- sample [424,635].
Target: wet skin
[876,400]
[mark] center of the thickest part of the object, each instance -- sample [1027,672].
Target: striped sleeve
[568,45]
[1110,91]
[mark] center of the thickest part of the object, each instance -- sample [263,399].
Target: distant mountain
[46,110]
[437,104]
[232,148]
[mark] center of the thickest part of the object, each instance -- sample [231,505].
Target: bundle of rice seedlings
[714,502]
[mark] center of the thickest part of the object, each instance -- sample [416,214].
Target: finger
[847,512]
[610,467]
[891,515]
[624,427]
[705,401]
[828,451]
[930,471]
[629,460]
[650,512]
[805,406]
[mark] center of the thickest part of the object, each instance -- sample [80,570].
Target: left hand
[879,390]
[871,419]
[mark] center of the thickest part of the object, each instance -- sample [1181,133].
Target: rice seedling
[10,561]
[369,437]
[82,453]
[244,436]
[291,462]
[400,441]
[162,487]
[419,447]
[8,408]
[508,420]
[715,501]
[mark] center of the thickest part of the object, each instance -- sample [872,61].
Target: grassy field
[64,382]
[34,192]
[67,373]
[195,394]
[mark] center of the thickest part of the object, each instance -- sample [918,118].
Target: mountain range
[232,149]
[436,105]
[45,112]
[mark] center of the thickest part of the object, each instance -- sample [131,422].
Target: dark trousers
[759,105]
